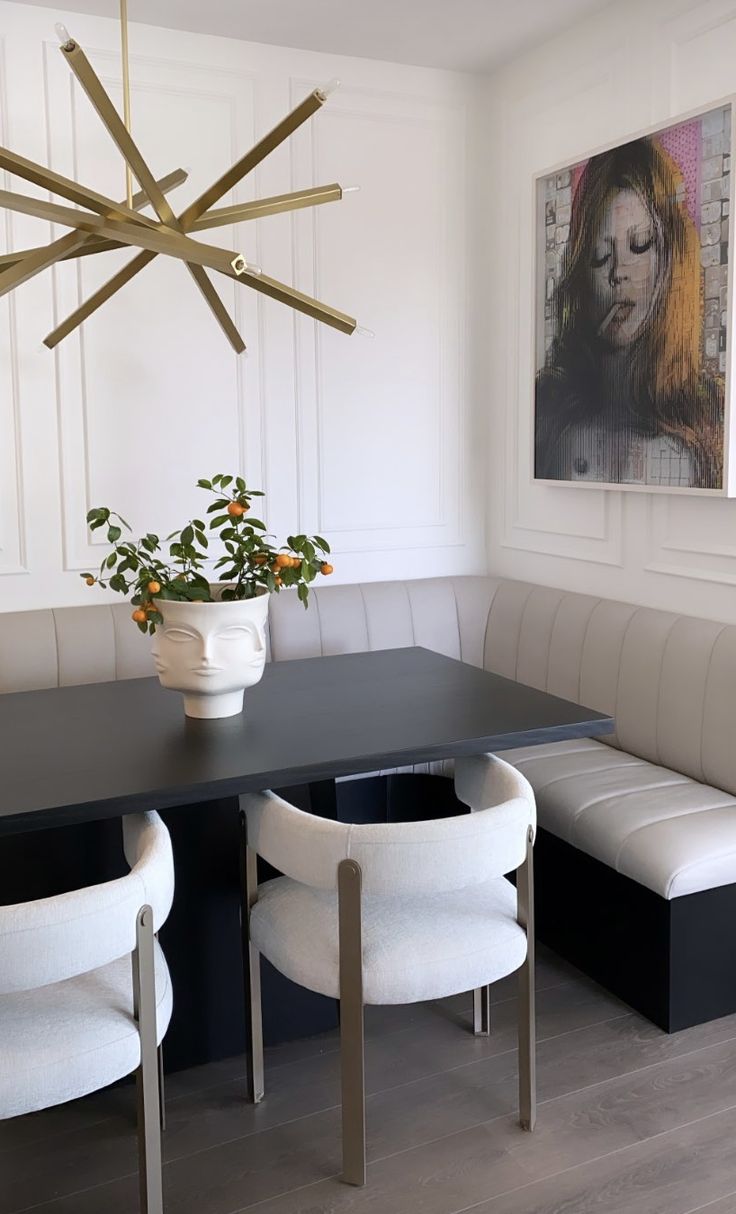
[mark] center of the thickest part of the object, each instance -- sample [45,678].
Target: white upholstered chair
[394,913]
[85,994]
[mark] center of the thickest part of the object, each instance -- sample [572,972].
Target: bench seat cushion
[670,833]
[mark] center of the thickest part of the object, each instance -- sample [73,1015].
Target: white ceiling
[465,35]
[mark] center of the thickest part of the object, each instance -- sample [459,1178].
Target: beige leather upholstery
[669,680]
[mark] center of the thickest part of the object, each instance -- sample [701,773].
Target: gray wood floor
[631,1121]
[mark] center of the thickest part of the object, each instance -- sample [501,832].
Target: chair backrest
[56,938]
[405,857]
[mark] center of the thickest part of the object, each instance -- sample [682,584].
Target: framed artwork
[633,336]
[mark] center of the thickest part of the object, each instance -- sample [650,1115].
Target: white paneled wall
[371,443]
[636,63]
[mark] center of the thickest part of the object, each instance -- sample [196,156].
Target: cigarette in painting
[607,319]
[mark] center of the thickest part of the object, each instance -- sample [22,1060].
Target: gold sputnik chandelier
[103,224]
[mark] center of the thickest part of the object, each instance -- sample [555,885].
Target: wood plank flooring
[630,1121]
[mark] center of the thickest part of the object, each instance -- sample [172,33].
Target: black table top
[103,749]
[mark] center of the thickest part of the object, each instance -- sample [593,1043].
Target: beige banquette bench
[636,854]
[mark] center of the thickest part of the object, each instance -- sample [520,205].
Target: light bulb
[363,332]
[329,88]
[62,33]
[249,269]
[350,189]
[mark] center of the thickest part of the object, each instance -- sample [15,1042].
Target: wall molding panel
[368,442]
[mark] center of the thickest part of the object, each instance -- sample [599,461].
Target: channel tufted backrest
[70,645]
[669,680]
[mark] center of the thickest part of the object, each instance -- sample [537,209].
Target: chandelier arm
[37,260]
[275,205]
[125,143]
[55,183]
[16,268]
[218,308]
[297,300]
[92,244]
[159,239]
[97,299]
[247,163]
[102,104]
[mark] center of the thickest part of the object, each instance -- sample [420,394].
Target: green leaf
[240,484]
[224,481]
[219,521]
[303,592]
[203,484]
[111,560]
[202,540]
[187,535]
[198,524]
[219,504]
[86,575]
[113,534]
[256,522]
[142,627]
[321,543]
[98,522]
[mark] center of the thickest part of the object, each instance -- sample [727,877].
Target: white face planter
[211,652]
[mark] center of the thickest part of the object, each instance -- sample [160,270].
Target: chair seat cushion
[413,948]
[662,829]
[70,1038]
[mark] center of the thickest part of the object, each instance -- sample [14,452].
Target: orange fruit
[325,568]
[90,581]
[150,607]
[283,561]
[278,581]
[296,563]
[154,587]
[235,509]
[139,616]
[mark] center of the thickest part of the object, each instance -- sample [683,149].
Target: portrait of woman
[630,382]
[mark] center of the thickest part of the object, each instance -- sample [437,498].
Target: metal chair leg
[251,969]
[161,1089]
[144,1009]
[482,1011]
[527,1014]
[352,1045]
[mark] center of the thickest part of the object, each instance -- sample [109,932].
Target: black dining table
[74,759]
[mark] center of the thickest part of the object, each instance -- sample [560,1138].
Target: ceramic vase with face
[211,652]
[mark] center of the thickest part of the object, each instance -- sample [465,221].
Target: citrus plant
[249,564]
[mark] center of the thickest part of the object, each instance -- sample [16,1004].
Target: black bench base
[675,962]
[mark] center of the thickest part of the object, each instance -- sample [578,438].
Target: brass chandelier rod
[125,57]
[240,213]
